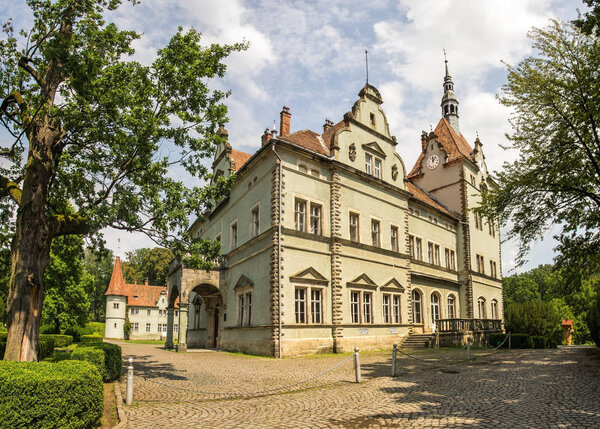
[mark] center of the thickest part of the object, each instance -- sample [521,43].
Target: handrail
[472,325]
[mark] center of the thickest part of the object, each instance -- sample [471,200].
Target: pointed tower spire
[449,99]
[117,281]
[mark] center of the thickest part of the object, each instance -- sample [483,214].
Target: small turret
[449,100]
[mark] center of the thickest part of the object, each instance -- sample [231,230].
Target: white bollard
[129,398]
[394,352]
[356,365]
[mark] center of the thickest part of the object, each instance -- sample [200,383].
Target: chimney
[284,124]
[266,137]
[327,125]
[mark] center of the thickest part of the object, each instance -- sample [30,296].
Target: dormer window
[372,116]
[373,165]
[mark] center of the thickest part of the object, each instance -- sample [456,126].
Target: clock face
[433,161]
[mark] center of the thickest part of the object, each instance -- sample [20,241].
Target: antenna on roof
[367,64]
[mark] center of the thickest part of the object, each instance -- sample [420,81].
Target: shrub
[77,331]
[48,328]
[2,349]
[67,394]
[59,340]
[97,328]
[539,342]
[496,338]
[533,318]
[593,320]
[520,341]
[46,348]
[3,336]
[104,356]
[91,339]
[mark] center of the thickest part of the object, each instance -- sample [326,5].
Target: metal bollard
[129,399]
[357,365]
[509,341]
[394,352]
[469,348]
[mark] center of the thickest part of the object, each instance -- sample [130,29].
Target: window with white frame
[164,327]
[492,227]
[244,308]
[480,264]
[435,307]
[136,327]
[396,309]
[419,249]
[234,235]
[481,308]
[394,238]
[148,326]
[300,215]
[430,252]
[493,269]
[411,246]
[315,218]
[354,226]
[135,311]
[494,308]
[159,328]
[361,306]
[355,306]
[367,307]
[377,168]
[148,312]
[451,307]
[450,259]
[417,307]
[387,317]
[436,254]
[300,305]
[254,222]
[308,305]
[176,328]
[316,305]
[368,163]
[375,233]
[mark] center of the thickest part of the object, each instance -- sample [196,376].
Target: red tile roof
[567,322]
[239,158]
[309,140]
[455,145]
[424,197]
[138,295]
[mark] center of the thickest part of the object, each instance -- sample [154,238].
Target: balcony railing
[463,325]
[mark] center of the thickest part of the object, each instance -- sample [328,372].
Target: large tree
[96,130]
[147,264]
[555,100]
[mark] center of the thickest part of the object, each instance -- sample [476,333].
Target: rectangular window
[316,306]
[492,228]
[355,306]
[315,219]
[411,246]
[136,327]
[234,235]
[165,328]
[375,236]
[436,254]
[254,222]
[148,327]
[244,309]
[368,307]
[368,162]
[480,264]
[175,328]
[430,252]
[300,305]
[159,328]
[493,269]
[377,168]
[396,308]
[386,309]
[450,263]
[300,215]
[116,305]
[419,248]
[354,230]
[472,180]
[394,238]
[148,312]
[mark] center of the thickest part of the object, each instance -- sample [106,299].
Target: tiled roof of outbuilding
[455,145]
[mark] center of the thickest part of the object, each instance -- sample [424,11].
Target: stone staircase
[419,341]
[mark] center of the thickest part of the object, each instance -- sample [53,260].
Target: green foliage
[77,331]
[532,318]
[67,394]
[520,341]
[554,97]
[589,22]
[59,340]
[538,342]
[2,348]
[104,356]
[46,347]
[97,328]
[497,338]
[66,303]
[93,338]
[519,289]
[593,320]
[97,269]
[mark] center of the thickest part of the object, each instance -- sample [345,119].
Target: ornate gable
[375,148]
[363,281]
[393,286]
[243,282]
[310,276]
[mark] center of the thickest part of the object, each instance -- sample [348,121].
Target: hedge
[2,349]
[66,394]
[59,340]
[91,338]
[46,348]
[77,331]
[104,356]
[523,341]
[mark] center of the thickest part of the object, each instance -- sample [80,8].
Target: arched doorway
[207,313]
[435,309]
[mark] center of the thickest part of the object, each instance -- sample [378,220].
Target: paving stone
[518,388]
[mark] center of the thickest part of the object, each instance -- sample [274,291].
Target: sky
[310,56]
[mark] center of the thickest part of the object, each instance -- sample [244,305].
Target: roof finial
[446,61]
[367,64]
[118,246]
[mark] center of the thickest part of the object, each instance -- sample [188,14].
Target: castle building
[144,305]
[329,242]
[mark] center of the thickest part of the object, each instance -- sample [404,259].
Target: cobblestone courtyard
[525,388]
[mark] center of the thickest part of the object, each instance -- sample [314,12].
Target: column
[183,322]
[169,342]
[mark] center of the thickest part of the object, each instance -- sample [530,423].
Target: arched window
[452,108]
[494,305]
[417,309]
[481,307]
[435,307]
[451,307]
[446,109]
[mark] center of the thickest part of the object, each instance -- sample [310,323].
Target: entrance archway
[205,332]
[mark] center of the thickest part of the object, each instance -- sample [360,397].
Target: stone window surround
[309,202]
[308,303]
[379,221]
[234,234]
[251,231]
